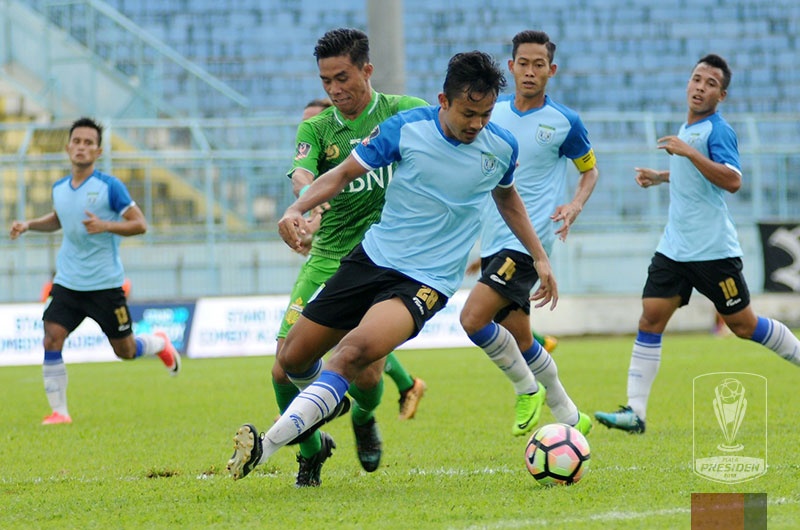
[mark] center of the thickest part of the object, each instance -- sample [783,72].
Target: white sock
[311,405]
[645,360]
[302,381]
[151,344]
[544,368]
[778,338]
[55,385]
[502,349]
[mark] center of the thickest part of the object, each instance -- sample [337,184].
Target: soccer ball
[557,454]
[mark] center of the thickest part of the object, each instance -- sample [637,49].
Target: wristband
[303,190]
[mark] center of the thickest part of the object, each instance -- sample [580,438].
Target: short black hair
[344,41]
[472,72]
[530,36]
[715,61]
[88,122]
[322,103]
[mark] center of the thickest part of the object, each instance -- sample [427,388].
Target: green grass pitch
[149,451]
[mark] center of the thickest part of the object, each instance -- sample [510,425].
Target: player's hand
[292,228]
[474,267]
[312,225]
[18,228]
[566,213]
[547,292]
[93,224]
[646,177]
[674,146]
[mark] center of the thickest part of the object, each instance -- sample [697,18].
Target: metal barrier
[212,191]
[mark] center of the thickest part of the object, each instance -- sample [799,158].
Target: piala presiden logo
[729,426]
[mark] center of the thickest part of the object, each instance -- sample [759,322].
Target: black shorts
[107,307]
[719,280]
[512,275]
[359,284]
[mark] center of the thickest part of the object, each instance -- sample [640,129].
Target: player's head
[530,36]
[708,85]
[471,86]
[91,124]
[315,106]
[531,63]
[83,144]
[344,69]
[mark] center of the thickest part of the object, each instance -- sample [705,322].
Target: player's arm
[133,223]
[292,225]
[646,177]
[717,173]
[46,223]
[512,209]
[568,213]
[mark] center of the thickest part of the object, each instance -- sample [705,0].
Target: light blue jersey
[89,262]
[431,218]
[699,227]
[548,137]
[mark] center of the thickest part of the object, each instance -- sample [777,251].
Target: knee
[743,330]
[278,373]
[471,322]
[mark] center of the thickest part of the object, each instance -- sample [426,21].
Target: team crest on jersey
[91,197]
[488,164]
[302,150]
[375,132]
[332,152]
[544,134]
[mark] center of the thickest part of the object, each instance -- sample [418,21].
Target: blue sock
[53,357]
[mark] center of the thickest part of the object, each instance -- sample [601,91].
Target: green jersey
[326,140]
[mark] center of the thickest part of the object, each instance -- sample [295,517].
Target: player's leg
[305,344]
[667,288]
[772,333]
[367,391]
[411,388]
[548,342]
[545,370]
[505,283]
[54,373]
[386,325]
[109,308]
[62,315]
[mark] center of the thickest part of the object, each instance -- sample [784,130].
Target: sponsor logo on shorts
[420,305]
[497,279]
[732,302]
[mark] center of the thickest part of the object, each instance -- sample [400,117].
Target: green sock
[395,370]
[284,394]
[538,338]
[365,402]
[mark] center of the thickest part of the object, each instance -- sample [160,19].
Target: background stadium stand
[203,97]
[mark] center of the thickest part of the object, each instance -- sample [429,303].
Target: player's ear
[368,69]
[443,100]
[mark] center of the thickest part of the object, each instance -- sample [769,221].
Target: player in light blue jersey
[450,159]
[93,210]
[496,316]
[699,248]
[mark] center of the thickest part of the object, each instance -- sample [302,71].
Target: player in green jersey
[323,141]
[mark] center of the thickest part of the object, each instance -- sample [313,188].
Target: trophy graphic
[729,407]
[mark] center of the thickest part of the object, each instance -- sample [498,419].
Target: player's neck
[524,104]
[694,117]
[81,173]
[361,108]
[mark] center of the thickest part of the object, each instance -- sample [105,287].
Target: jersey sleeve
[723,147]
[410,102]
[118,197]
[307,150]
[577,146]
[382,146]
[508,176]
